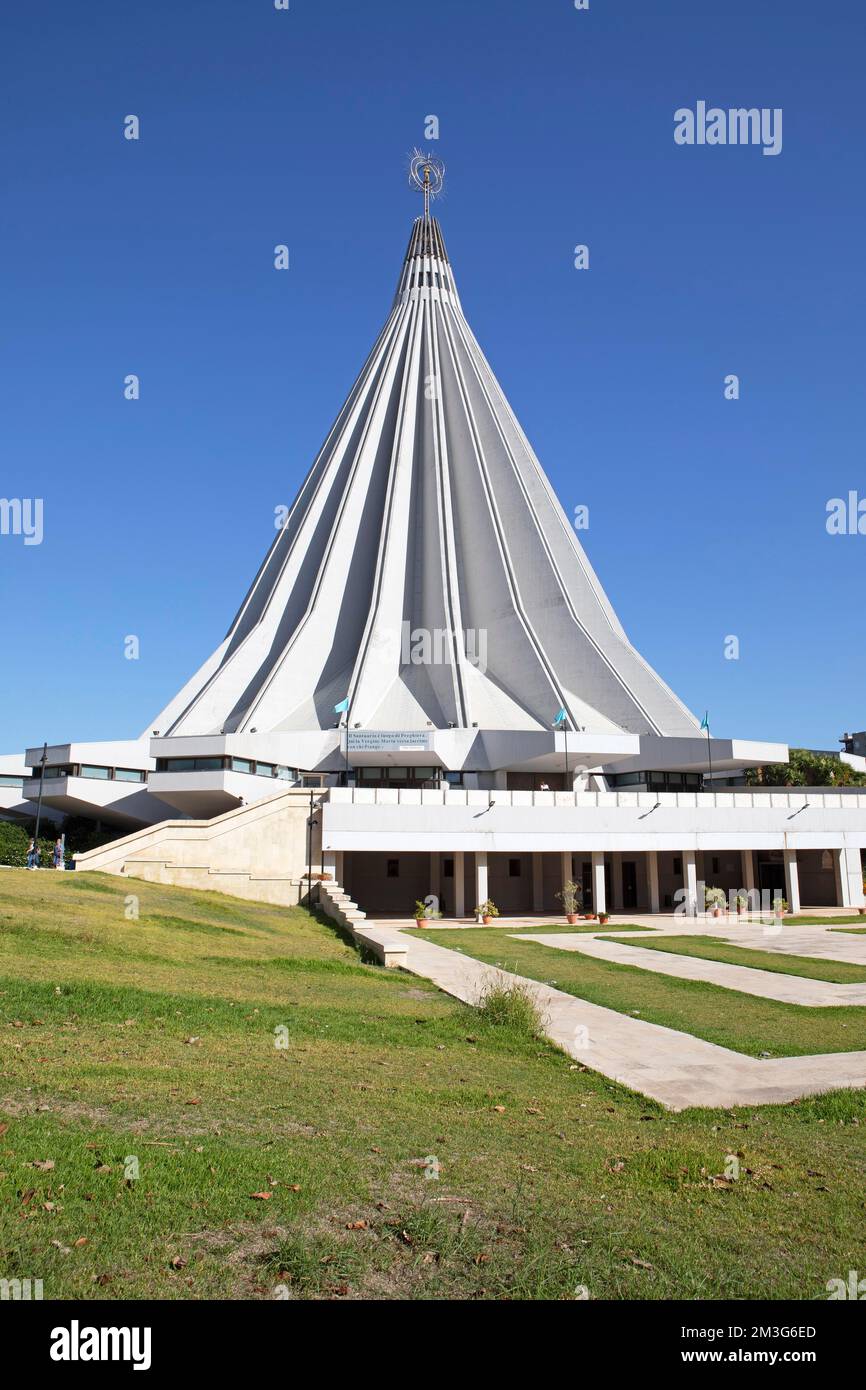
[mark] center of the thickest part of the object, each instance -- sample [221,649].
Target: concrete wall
[257,851]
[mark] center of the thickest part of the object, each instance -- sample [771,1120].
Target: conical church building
[428,646]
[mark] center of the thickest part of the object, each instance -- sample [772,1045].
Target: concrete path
[674,1068]
[767,984]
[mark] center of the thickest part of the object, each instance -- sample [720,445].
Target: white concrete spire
[426,569]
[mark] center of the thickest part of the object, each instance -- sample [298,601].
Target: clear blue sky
[260,126]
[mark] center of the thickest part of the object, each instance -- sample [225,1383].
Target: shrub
[512,1007]
[571,897]
[806,769]
[14,840]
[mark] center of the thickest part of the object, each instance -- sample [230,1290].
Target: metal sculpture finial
[427,173]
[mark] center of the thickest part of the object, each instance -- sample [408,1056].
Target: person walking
[58,853]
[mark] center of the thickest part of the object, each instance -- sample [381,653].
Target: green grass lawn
[711,948]
[145,1108]
[504,928]
[819,921]
[851,931]
[742,1022]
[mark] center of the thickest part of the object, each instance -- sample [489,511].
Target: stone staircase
[335,901]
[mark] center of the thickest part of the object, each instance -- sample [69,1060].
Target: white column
[481,893]
[537,883]
[435,871]
[747,860]
[839,867]
[856,896]
[599,895]
[652,879]
[792,880]
[459,884]
[565,867]
[616,882]
[690,882]
[849,877]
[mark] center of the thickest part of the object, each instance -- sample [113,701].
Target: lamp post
[42,761]
[311,821]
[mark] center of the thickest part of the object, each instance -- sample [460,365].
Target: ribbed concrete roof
[426,512]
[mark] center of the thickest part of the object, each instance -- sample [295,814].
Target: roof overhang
[659,754]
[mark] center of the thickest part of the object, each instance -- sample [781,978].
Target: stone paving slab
[766,984]
[674,1068]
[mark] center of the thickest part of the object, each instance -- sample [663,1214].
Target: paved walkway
[767,984]
[675,1068]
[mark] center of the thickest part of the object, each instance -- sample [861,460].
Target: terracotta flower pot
[603,918]
[571,918]
[422,921]
[487,921]
[589,917]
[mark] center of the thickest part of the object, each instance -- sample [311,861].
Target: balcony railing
[752,798]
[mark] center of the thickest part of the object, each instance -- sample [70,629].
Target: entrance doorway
[629,884]
[771,878]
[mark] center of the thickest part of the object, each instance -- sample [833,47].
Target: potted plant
[486,911]
[780,906]
[570,897]
[603,917]
[742,903]
[424,915]
[589,917]
[714,900]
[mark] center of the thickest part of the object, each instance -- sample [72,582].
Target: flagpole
[346,759]
[709,747]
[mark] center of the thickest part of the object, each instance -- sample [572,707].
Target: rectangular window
[370,774]
[392,868]
[241,765]
[514,868]
[103,773]
[715,864]
[678,864]
[287,774]
[129,774]
[447,868]
[8,780]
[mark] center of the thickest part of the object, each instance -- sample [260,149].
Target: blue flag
[705,722]
[560,718]
[341,707]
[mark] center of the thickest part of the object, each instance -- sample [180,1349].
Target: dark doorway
[771,879]
[586,883]
[629,884]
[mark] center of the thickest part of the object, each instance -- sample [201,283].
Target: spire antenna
[426,173]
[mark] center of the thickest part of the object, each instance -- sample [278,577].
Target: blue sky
[707,516]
